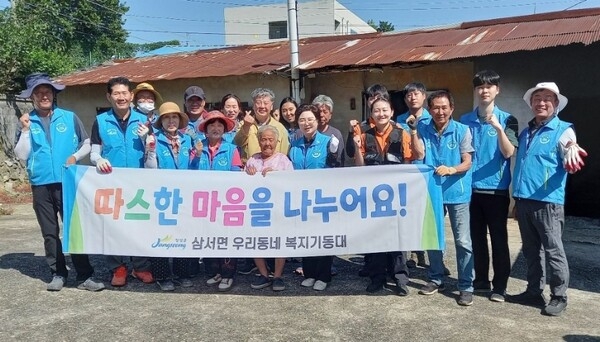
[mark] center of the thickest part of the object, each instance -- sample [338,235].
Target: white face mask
[146,107]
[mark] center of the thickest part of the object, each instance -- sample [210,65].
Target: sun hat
[38,79]
[216,115]
[194,91]
[562,100]
[147,86]
[168,108]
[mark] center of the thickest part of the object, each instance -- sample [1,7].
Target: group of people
[471,160]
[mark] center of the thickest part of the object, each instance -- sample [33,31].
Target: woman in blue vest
[313,151]
[217,154]
[170,149]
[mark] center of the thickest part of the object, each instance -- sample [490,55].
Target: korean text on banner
[188,213]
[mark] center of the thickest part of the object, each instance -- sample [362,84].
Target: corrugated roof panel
[465,41]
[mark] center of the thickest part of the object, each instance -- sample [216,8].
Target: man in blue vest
[48,138]
[494,140]
[415,95]
[116,141]
[448,148]
[547,151]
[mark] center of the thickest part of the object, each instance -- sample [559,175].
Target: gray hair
[323,100]
[265,128]
[261,92]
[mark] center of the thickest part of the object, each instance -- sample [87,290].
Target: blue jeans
[459,221]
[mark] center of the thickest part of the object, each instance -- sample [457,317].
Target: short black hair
[438,94]
[486,77]
[308,108]
[118,80]
[415,86]
[377,90]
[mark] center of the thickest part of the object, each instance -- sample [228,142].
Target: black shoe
[528,298]
[465,298]
[401,289]
[411,263]
[431,288]
[261,282]
[375,286]
[556,306]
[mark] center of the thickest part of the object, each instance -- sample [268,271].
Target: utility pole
[294,55]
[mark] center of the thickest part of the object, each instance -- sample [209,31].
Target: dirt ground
[343,312]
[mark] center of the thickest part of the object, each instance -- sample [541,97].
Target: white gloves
[573,160]
[192,133]
[334,143]
[103,166]
[142,130]
[150,143]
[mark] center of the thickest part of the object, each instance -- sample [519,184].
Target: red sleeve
[237,159]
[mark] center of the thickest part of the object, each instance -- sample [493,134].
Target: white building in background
[267,23]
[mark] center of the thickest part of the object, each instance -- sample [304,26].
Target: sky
[201,23]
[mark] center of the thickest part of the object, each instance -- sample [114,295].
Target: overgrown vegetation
[60,36]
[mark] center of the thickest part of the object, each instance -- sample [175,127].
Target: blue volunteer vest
[539,172]
[45,162]
[311,157]
[122,149]
[222,161]
[491,171]
[445,150]
[165,156]
[424,119]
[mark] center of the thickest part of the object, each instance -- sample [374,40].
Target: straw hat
[147,86]
[169,108]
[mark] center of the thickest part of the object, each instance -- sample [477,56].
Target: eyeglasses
[309,120]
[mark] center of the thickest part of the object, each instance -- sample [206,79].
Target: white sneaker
[214,280]
[320,285]
[308,282]
[225,284]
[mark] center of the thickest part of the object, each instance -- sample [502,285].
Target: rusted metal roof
[466,40]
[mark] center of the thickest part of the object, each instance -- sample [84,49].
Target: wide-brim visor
[27,92]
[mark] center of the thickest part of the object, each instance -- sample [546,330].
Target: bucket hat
[562,100]
[37,79]
[169,108]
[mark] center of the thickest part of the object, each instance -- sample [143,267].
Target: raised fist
[25,122]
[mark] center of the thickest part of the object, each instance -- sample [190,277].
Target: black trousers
[490,212]
[226,267]
[182,268]
[318,268]
[47,204]
[379,265]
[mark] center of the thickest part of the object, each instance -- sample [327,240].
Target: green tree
[58,36]
[384,26]
[155,45]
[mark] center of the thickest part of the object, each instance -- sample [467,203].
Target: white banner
[188,213]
